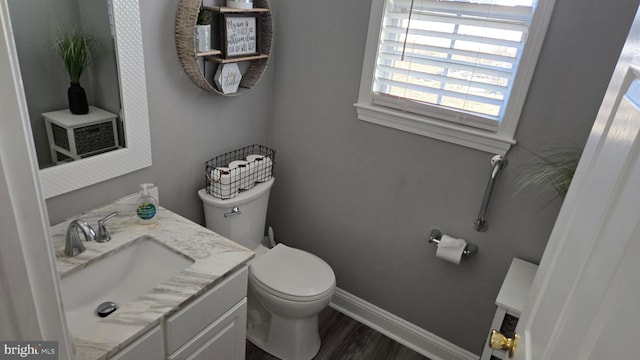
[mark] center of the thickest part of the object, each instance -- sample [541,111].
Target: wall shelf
[211,52]
[220,60]
[201,72]
[222,9]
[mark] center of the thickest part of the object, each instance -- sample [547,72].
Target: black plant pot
[78,104]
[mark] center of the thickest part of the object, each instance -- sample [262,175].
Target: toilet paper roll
[237,163]
[245,179]
[451,249]
[222,185]
[221,174]
[262,167]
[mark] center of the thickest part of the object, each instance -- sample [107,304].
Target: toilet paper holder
[436,235]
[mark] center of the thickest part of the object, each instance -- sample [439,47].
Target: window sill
[457,134]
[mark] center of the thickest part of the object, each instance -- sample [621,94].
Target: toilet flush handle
[234,211]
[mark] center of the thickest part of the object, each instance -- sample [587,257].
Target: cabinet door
[224,339]
[205,310]
[149,346]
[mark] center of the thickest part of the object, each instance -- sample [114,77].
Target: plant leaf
[75,48]
[553,169]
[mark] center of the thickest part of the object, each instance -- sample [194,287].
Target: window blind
[451,59]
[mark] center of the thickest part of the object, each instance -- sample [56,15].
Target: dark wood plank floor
[346,339]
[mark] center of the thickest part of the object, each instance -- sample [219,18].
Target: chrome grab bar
[498,162]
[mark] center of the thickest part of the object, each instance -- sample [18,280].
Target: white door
[585,299]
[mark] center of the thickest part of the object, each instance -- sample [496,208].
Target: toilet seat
[292,274]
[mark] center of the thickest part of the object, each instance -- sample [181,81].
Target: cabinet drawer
[191,320]
[149,346]
[223,339]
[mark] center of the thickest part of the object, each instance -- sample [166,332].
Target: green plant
[204,16]
[553,169]
[76,49]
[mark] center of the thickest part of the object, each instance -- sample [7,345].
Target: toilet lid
[292,274]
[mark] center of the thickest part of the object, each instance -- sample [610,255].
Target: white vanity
[197,312]
[211,326]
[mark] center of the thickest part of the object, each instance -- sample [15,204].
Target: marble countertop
[215,257]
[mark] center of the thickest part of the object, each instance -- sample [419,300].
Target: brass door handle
[499,341]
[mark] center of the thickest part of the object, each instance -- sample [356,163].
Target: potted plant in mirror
[203,30]
[553,169]
[76,49]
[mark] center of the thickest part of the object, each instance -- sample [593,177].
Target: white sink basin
[120,277]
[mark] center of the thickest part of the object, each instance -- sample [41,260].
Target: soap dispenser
[147,206]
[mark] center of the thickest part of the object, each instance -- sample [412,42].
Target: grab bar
[498,162]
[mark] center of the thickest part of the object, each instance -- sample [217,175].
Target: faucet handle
[103,234]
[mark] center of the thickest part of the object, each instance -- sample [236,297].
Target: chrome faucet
[103,235]
[72,244]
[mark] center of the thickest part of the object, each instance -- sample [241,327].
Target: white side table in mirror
[73,137]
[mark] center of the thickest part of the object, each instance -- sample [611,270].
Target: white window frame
[497,142]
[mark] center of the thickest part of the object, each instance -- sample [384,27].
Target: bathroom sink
[119,277]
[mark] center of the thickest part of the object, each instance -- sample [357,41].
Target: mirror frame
[63,178]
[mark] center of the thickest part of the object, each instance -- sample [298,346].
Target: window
[456,70]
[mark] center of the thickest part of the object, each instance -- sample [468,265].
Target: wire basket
[238,170]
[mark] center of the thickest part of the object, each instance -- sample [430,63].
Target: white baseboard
[400,330]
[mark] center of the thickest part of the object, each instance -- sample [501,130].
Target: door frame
[31,301]
[553,292]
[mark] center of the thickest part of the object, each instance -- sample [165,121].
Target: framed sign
[240,35]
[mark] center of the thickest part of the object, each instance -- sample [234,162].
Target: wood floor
[346,339]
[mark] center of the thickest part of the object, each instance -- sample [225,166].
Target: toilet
[288,287]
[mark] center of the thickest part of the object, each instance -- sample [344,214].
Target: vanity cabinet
[150,346]
[213,325]
[222,339]
[201,67]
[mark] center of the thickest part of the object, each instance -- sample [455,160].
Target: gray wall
[188,126]
[364,197]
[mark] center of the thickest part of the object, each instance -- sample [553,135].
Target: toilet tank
[246,227]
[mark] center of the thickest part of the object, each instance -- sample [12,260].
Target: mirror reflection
[60,134]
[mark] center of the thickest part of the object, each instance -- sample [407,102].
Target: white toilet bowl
[287,287]
[293,286]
